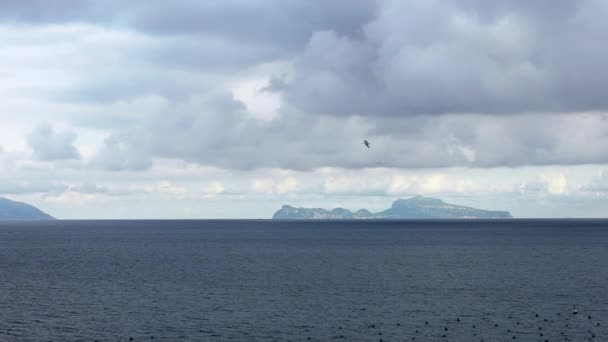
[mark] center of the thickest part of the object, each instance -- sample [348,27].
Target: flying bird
[366,143]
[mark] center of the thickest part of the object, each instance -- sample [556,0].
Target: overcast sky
[231,108]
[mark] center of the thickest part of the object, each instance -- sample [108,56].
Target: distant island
[11,210]
[417,207]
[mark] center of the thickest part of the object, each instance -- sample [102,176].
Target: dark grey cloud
[204,34]
[208,52]
[172,68]
[436,57]
[375,58]
[116,155]
[41,11]
[362,69]
[370,57]
[287,23]
[235,140]
[49,145]
[211,37]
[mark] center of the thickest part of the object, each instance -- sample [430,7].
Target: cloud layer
[437,57]
[122,90]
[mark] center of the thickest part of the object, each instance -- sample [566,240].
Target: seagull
[366,143]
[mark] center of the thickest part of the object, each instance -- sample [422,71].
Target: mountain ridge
[417,207]
[13,210]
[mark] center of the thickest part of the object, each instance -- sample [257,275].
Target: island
[11,210]
[417,207]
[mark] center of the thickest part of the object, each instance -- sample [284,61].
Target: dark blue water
[291,281]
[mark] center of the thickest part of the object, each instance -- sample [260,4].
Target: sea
[263,280]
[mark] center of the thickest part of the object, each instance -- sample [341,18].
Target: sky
[231,108]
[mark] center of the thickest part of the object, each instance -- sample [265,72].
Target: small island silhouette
[417,207]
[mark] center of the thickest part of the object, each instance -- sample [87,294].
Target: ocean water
[301,281]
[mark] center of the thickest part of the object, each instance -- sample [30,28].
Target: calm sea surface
[300,281]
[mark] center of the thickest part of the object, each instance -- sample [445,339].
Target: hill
[418,207]
[11,210]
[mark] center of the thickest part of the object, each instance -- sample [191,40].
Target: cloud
[213,189]
[437,57]
[89,188]
[266,186]
[40,11]
[21,187]
[547,184]
[598,184]
[287,24]
[117,156]
[48,145]
[399,184]
[371,58]
[167,187]
[280,23]
[245,99]
[494,78]
[237,140]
